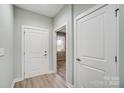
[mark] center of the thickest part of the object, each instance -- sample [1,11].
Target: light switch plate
[2,51]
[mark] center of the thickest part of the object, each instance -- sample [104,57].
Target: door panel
[96,48]
[92,30]
[36,52]
[85,80]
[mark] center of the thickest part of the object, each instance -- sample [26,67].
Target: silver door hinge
[116,59]
[116,12]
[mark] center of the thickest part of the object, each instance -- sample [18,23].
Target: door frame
[23,27]
[55,47]
[93,9]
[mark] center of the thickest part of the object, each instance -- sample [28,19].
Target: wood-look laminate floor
[43,81]
[61,69]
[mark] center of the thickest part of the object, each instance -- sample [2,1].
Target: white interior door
[36,52]
[96,49]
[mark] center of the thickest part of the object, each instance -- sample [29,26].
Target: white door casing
[95,48]
[36,47]
[55,48]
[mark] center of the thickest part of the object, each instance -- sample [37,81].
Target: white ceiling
[49,10]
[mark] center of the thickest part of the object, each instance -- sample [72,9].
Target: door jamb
[54,47]
[23,27]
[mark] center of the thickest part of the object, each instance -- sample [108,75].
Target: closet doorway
[61,52]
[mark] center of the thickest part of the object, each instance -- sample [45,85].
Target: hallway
[61,52]
[61,45]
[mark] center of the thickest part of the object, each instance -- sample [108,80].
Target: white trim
[22,51]
[12,84]
[69,85]
[14,81]
[91,10]
[59,27]
[54,47]
[22,44]
[75,52]
[117,42]
[52,71]
[32,27]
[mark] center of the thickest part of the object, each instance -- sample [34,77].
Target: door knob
[45,55]
[78,59]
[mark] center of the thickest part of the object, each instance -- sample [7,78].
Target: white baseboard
[12,84]
[14,81]
[69,85]
[52,71]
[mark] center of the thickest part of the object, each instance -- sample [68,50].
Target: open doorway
[61,52]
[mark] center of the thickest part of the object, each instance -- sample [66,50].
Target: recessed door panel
[92,32]
[89,77]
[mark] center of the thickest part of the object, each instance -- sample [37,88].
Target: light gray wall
[66,15]
[24,17]
[80,8]
[121,45]
[6,41]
